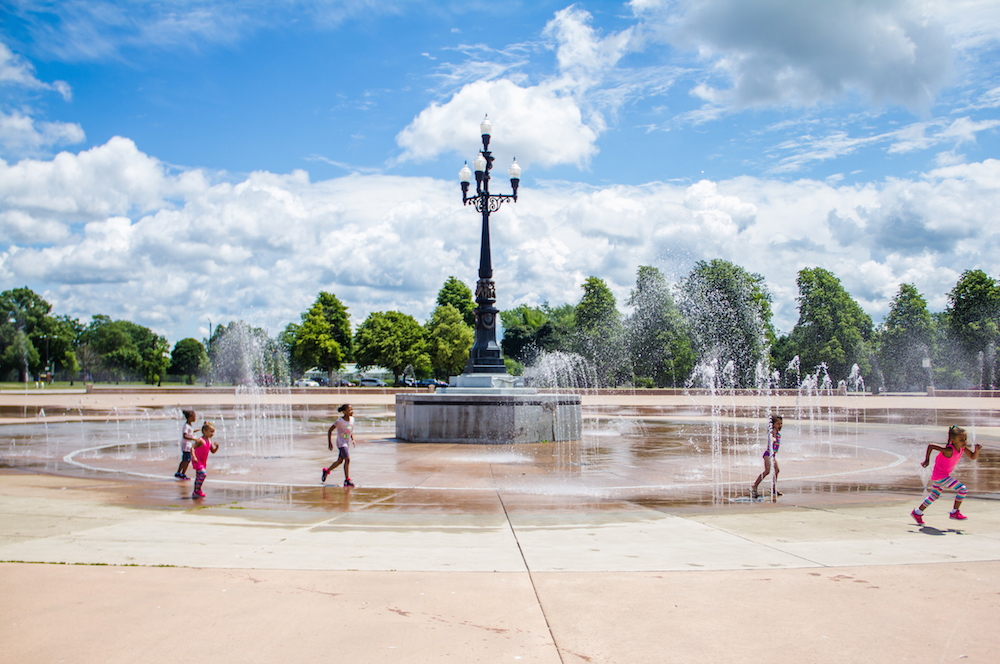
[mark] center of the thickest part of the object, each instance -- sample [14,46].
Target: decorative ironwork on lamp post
[486,356]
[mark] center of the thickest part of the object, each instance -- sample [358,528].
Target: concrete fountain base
[487,416]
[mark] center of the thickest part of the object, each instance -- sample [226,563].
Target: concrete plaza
[421,571]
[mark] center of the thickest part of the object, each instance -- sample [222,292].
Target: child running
[773,443]
[947,458]
[345,434]
[187,437]
[200,451]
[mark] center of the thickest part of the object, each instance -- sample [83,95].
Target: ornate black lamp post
[485,356]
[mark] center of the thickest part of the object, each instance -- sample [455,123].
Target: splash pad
[652,448]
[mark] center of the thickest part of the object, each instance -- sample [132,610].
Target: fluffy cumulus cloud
[553,122]
[112,230]
[795,52]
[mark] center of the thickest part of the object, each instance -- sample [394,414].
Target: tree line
[717,318]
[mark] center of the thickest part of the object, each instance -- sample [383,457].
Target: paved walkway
[268,573]
[388,578]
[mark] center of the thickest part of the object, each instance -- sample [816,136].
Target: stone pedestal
[488,416]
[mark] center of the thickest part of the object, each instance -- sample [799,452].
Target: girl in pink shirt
[947,458]
[199,452]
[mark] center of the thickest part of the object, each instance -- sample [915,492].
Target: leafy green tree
[449,340]
[597,308]
[392,340]
[458,295]
[832,327]
[599,335]
[529,330]
[89,361]
[113,341]
[905,340]
[324,336]
[974,310]
[521,326]
[659,346]
[728,311]
[128,349]
[188,358]
[46,341]
[19,355]
[286,342]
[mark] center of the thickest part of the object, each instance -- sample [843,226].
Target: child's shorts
[344,454]
[185,456]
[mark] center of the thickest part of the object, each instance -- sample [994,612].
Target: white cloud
[536,124]
[557,121]
[798,53]
[110,230]
[15,71]
[20,135]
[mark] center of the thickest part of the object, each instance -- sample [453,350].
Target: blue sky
[175,162]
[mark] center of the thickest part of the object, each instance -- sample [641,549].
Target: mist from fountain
[263,424]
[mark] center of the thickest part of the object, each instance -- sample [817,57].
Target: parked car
[406,382]
[427,382]
[323,382]
[305,382]
[343,383]
[371,382]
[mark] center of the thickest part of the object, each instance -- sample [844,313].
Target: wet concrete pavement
[437,558]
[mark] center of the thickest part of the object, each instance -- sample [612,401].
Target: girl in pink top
[947,458]
[200,451]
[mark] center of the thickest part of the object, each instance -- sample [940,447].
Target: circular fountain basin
[626,454]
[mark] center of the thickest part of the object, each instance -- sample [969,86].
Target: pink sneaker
[918,518]
[198,494]
[957,516]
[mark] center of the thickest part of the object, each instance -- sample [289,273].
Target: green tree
[19,355]
[728,311]
[458,295]
[188,358]
[659,346]
[392,340]
[529,330]
[449,340]
[128,349]
[905,340]
[29,332]
[521,328]
[597,308]
[324,336]
[973,313]
[974,309]
[600,336]
[832,327]
[286,341]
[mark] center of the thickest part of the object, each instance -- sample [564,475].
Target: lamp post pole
[486,356]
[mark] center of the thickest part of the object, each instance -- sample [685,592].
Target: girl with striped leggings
[200,451]
[947,458]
